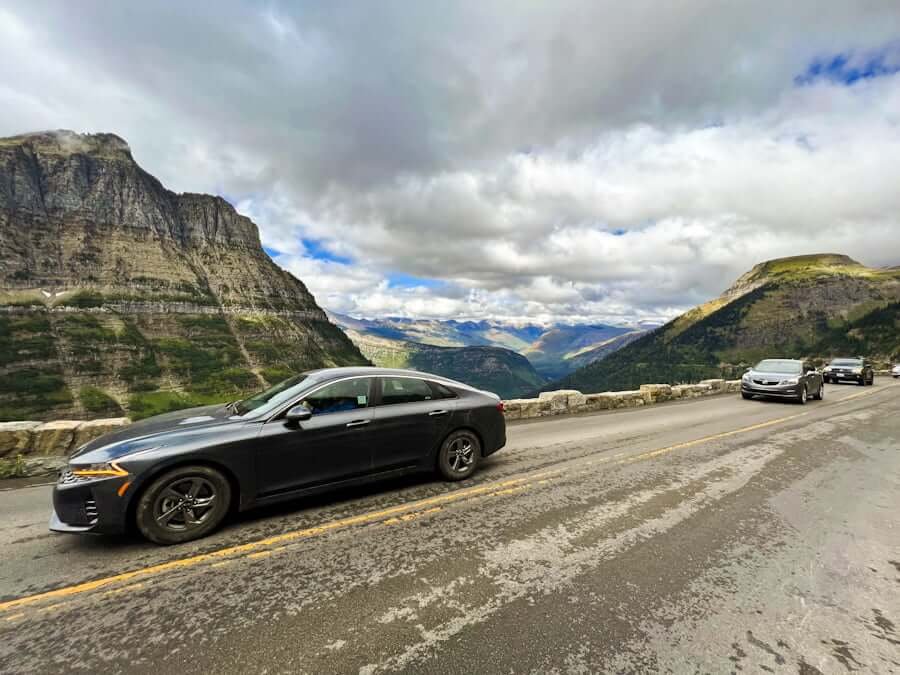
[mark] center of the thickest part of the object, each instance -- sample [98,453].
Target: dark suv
[783,378]
[856,369]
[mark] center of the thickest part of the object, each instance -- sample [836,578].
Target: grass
[95,400]
[155,403]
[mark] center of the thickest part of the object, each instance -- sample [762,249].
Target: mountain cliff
[815,306]
[118,294]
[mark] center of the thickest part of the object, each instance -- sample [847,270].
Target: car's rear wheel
[459,455]
[183,504]
[820,395]
[803,396]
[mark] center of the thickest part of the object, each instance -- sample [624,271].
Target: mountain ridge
[115,289]
[813,306]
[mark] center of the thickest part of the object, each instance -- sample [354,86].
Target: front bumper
[777,391]
[90,506]
[846,377]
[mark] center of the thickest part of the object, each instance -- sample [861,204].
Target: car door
[410,419]
[812,377]
[332,445]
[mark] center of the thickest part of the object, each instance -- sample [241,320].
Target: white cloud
[578,160]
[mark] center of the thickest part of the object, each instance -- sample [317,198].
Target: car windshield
[779,366]
[846,362]
[272,397]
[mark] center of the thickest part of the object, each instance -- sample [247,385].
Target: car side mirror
[299,413]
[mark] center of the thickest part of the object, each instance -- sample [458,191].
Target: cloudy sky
[575,161]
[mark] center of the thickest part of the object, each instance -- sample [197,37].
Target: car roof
[323,374]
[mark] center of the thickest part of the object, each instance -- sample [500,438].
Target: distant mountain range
[815,306]
[505,358]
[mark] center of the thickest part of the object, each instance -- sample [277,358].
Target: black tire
[861,381]
[459,455]
[746,396]
[820,395]
[168,496]
[802,396]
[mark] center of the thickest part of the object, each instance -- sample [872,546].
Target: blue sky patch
[848,68]
[317,250]
[401,280]
[271,252]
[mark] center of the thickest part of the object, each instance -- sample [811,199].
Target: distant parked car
[176,476]
[783,378]
[895,371]
[855,369]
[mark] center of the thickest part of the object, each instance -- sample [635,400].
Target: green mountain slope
[495,369]
[117,295]
[815,306]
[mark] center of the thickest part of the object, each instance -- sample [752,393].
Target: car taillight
[500,406]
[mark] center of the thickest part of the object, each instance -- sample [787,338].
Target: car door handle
[358,423]
[435,413]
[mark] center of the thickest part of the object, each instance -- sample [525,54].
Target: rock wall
[35,448]
[569,401]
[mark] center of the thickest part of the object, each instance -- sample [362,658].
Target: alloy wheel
[185,503]
[461,454]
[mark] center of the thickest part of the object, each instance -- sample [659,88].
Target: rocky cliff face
[118,293]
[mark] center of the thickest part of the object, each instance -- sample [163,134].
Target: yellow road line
[192,561]
[508,486]
[714,437]
[859,395]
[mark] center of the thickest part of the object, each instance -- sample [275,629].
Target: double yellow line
[274,541]
[392,516]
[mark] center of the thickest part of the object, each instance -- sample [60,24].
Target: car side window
[404,390]
[441,392]
[339,397]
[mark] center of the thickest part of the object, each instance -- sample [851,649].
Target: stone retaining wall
[569,401]
[34,448]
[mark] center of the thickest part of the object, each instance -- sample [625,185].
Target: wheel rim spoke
[196,484]
[185,503]
[167,516]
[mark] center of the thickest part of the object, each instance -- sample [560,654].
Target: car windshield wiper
[232,407]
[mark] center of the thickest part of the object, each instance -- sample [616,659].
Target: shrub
[96,400]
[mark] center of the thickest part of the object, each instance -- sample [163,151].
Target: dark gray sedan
[783,378]
[176,476]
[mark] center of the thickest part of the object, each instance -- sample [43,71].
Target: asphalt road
[717,535]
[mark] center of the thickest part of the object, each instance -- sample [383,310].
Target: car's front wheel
[459,455]
[183,504]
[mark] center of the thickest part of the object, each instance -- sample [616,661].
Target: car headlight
[104,470]
[790,380]
[857,370]
[746,377]
[827,369]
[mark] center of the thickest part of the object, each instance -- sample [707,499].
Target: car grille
[66,477]
[765,382]
[90,509]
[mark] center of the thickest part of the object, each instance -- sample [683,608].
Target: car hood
[147,433]
[755,374]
